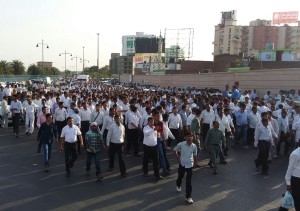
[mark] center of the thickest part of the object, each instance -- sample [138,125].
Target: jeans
[214,151]
[161,156]
[188,181]
[241,132]
[47,152]
[295,183]
[96,157]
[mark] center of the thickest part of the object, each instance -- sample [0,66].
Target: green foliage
[104,72]
[5,68]
[18,67]
[34,70]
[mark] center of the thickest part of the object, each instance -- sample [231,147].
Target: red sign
[285,17]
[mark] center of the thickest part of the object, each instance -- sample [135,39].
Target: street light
[65,53]
[76,57]
[37,45]
[98,51]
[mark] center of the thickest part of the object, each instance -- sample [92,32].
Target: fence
[18,78]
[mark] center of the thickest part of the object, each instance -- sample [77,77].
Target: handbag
[287,201]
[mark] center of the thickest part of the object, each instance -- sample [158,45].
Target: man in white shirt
[133,131]
[253,119]
[264,139]
[16,109]
[115,142]
[206,117]
[4,111]
[97,116]
[175,124]
[59,117]
[68,139]
[85,115]
[150,148]
[107,122]
[292,177]
[284,131]
[29,109]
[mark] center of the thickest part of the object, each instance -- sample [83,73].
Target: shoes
[159,178]
[167,174]
[168,148]
[190,200]
[245,147]
[99,177]
[47,168]
[68,174]
[124,174]
[210,164]
[224,162]
[178,189]
[215,172]
[87,173]
[196,165]
[26,133]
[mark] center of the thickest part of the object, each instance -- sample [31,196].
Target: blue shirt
[241,117]
[235,94]
[187,153]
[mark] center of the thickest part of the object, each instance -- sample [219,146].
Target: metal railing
[18,78]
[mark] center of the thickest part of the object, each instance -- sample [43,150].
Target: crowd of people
[93,116]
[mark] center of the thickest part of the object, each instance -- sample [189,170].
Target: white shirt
[189,119]
[70,133]
[133,120]
[108,120]
[167,132]
[224,123]
[116,134]
[144,120]
[150,136]
[283,124]
[30,109]
[4,107]
[60,114]
[296,127]
[253,119]
[175,121]
[294,166]
[207,116]
[264,133]
[85,115]
[76,120]
[97,117]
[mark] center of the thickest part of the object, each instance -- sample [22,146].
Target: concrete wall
[261,80]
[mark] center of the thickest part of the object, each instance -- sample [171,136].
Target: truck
[83,78]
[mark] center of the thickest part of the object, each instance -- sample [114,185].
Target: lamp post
[65,53]
[37,45]
[76,57]
[98,51]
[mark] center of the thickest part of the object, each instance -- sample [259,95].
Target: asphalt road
[24,185]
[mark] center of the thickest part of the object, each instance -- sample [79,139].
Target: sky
[70,25]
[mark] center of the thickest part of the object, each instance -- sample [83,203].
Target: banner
[285,17]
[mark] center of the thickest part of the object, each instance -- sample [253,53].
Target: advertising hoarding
[285,17]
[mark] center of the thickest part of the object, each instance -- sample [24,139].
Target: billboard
[285,17]
[148,45]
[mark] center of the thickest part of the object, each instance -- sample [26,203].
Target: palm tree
[18,67]
[5,68]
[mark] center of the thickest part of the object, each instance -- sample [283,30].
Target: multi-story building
[128,43]
[247,41]
[121,64]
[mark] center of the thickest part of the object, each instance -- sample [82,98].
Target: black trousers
[188,181]
[283,139]
[263,154]
[205,128]
[59,126]
[250,136]
[133,139]
[176,134]
[70,154]
[150,152]
[113,149]
[85,126]
[16,122]
[295,183]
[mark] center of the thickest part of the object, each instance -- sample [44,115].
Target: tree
[18,67]
[51,71]
[34,70]
[5,68]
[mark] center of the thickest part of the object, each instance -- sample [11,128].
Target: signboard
[285,17]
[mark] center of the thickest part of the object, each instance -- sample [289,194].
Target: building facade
[121,64]
[128,43]
[247,41]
